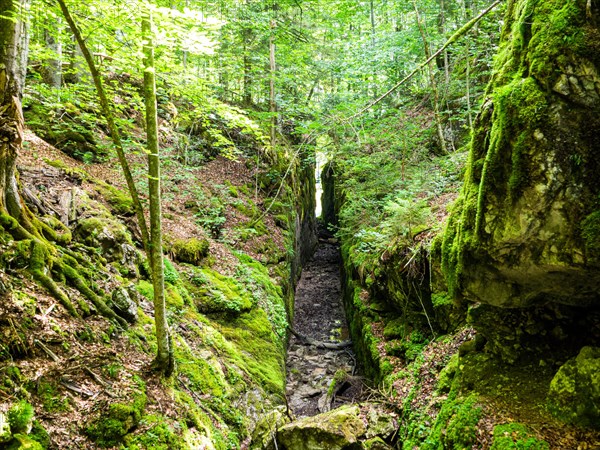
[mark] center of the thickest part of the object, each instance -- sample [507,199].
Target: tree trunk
[164,357]
[434,86]
[110,121]
[52,67]
[13,66]
[273,105]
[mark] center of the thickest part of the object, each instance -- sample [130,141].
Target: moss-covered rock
[515,436]
[191,251]
[574,394]
[334,430]
[515,237]
[111,427]
[110,236]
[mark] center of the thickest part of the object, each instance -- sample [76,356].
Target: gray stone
[122,304]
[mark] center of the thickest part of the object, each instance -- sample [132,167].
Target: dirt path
[320,316]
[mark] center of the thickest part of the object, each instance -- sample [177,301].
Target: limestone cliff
[525,230]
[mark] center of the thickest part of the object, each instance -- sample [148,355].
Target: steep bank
[448,385]
[233,251]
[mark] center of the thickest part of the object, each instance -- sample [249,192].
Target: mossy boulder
[263,437]
[515,436]
[191,251]
[111,427]
[122,304]
[108,235]
[334,430]
[574,394]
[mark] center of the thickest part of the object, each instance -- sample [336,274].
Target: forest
[300,224]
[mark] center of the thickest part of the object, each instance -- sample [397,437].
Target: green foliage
[591,234]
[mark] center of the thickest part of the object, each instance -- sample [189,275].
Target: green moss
[590,231]
[39,434]
[256,349]
[158,435]
[574,394]
[111,427]
[50,397]
[20,417]
[191,251]
[447,374]
[119,201]
[515,436]
[220,294]
[23,442]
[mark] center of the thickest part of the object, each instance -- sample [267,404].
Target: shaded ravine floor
[319,315]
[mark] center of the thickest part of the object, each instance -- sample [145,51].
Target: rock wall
[525,230]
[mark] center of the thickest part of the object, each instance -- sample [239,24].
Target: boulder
[333,430]
[574,394]
[263,437]
[122,304]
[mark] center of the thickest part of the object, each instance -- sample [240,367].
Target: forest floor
[320,379]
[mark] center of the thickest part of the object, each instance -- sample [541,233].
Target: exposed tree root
[35,238]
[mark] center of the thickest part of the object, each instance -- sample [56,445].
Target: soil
[319,315]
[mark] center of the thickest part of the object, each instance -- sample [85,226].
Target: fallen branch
[318,344]
[48,352]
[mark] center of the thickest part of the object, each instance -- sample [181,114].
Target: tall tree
[164,358]
[13,66]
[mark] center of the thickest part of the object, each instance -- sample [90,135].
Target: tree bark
[13,66]
[434,86]
[52,67]
[164,358]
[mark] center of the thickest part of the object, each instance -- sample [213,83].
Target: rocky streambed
[322,369]
[327,396]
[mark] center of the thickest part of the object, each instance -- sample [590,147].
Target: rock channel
[325,392]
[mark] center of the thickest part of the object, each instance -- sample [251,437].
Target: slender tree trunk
[13,66]
[52,68]
[273,105]
[164,358]
[434,87]
[114,131]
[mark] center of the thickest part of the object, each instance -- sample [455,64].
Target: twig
[49,352]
